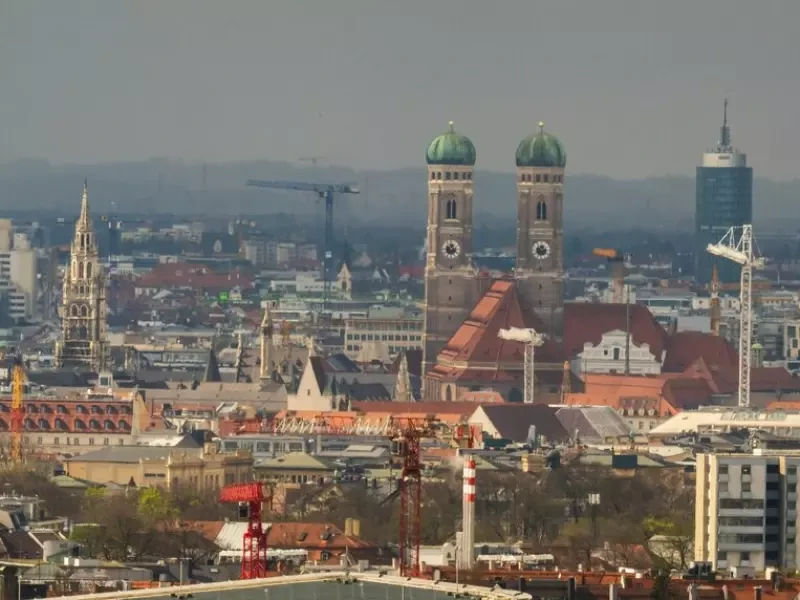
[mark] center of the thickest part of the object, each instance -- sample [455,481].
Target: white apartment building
[18,276]
[746,510]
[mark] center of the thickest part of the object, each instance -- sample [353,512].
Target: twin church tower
[453,285]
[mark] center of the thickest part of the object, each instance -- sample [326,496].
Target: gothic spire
[83,221]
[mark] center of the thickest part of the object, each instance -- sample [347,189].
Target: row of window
[741,504]
[61,425]
[386,337]
[741,522]
[392,349]
[61,409]
[773,469]
[541,178]
[264,447]
[56,441]
[451,175]
[368,326]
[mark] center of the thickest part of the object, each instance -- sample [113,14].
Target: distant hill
[167,186]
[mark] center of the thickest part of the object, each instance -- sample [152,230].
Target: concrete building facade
[746,510]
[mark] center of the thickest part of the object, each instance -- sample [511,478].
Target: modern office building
[746,510]
[724,199]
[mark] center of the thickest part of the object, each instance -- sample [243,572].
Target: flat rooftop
[320,586]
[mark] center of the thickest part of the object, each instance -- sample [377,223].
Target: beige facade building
[746,510]
[395,335]
[198,468]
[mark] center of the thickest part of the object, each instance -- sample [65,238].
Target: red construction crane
[407,446]
[254,541]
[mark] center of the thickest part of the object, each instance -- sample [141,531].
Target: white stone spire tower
[83,343]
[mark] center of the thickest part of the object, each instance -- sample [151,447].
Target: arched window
[111,410]
[94,424]
[43,424]
[61,425]
[448,394]
[73,310]
[32,408]
[124,426]
[88,270]
[84,311]
[109,425]
[451,211]
[96,410]
[81,409]
[79,424]
[541,211]
[616,353]
[433,176]
[80,270]
[29,424]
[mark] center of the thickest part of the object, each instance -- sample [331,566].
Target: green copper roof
[541,150]
[451,148]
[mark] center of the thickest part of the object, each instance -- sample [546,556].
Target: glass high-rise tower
[724,199]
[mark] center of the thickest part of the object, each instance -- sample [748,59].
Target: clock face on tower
[541,250]
[451,249]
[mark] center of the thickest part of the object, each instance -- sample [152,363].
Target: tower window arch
[541,211]
[88,270]
[451,211]
[433,175]
[73,310]
[84,311]
[80,270]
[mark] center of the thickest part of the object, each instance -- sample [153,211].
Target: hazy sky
[632,87]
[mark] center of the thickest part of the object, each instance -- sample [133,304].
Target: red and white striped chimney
[468,515]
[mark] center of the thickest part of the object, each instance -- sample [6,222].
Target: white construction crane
[740,251]
[531,339]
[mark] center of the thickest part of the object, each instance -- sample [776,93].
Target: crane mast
[740,250]
[17,411]
[326,192]
[531,339]
[254,540]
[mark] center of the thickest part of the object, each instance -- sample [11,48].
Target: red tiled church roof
[684,348]
[476,340]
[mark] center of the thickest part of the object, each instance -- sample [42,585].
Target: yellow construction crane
[17,411]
